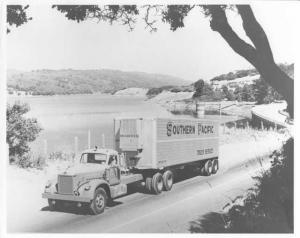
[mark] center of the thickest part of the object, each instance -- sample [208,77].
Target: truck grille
[65,184]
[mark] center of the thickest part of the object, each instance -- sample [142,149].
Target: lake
[68,116]
[64,117]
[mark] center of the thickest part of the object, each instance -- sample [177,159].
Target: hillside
[69,81]
[241,85]
[239,78]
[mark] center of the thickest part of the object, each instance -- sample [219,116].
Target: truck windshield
[93,158]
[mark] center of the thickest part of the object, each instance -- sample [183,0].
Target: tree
[264,93]
[20,130]
[228,93]
[247,93]
[198,86]
[16,16]
[259,54]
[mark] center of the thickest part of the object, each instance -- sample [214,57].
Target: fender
[94,184]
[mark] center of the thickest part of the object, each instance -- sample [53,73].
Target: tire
[215,166]
[208,168]
[168,180]
[99,202]
[157,183]
[148,184]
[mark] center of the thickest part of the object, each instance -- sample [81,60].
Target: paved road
[168,212]
[140,212]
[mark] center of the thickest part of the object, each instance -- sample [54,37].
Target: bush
[264,93]
[152,92]
[29,161]
[59,155]
[20,130]
[268,208]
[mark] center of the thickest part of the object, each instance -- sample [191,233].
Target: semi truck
[146,151]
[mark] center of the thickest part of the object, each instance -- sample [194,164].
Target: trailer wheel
[208,167]
[148,184]
[98,204]
[215,166]
[157,183]
[168,180]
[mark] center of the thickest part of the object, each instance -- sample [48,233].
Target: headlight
[48,184]
[87,187]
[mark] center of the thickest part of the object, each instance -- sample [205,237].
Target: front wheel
[99,202]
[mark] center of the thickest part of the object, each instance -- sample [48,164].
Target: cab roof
[100,150]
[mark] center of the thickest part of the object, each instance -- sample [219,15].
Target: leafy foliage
[229,95]
[20,130]
[268,208]
[199,87]
[234,75]
[264,93]
[175,14]
[108,13]
[16,16]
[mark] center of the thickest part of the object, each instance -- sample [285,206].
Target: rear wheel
[99,202]
[168,179]
[208,167]
[215,166]
[157,183]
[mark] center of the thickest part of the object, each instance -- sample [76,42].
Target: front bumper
[56,196]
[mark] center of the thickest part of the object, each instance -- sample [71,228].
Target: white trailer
[159,143]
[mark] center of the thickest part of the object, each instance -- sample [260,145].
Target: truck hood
[90,170]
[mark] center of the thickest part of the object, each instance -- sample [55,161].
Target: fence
[75,146]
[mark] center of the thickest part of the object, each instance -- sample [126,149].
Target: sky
[51,41]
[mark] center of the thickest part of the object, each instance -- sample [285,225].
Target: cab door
[113,174]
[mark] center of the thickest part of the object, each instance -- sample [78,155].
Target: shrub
[59,155]
[20,130]
[269,207]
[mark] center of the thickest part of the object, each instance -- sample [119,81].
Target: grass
[233,135]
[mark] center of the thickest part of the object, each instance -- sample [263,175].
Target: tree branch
[255,32]
[151,23]
[220,24]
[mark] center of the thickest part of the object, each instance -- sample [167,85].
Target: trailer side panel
[184,141]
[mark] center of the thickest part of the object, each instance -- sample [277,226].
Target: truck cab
[94,178]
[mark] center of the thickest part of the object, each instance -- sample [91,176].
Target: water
[65,117]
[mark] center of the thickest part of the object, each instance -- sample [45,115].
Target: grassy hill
[69,81]
[241,85]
